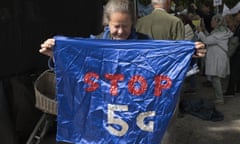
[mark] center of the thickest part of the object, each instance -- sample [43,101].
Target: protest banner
[117,92]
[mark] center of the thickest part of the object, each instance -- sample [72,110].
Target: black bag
[201,108]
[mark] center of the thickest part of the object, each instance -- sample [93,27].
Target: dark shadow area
[24,25]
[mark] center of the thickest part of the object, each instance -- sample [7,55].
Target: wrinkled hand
[200,49]
[47,47]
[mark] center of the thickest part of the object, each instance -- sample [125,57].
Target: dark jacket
[237,33]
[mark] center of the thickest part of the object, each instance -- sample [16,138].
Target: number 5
[113,120]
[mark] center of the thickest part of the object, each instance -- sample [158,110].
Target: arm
[209,40]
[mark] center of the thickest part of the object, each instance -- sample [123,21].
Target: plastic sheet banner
[117,92]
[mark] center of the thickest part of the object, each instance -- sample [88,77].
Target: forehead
[120,17]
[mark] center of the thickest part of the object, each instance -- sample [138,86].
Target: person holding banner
[119,21]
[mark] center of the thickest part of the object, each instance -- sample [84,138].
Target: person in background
[159,24]
[119,21]
[189,27]
[193,15]
[206,12]
[217,61]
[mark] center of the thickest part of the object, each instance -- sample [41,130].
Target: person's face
[120,25]
[213,23]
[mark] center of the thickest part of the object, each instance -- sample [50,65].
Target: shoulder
[142,36]
[144,18]
[171,17]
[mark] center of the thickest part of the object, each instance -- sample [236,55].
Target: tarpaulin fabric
[117,92]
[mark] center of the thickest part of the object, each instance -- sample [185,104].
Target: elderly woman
[217,61]
[119,21]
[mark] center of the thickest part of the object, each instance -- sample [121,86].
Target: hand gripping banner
[117,92]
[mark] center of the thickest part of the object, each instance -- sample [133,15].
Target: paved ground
[193,130]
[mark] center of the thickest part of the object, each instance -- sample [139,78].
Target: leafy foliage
[229,3]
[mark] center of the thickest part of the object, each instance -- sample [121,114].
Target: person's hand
[200,49]
[47,47]
[200,29]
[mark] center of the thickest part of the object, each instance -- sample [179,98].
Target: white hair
[159,1]
[123,6]
[220,20]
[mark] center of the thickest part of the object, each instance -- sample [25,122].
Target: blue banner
[117,92]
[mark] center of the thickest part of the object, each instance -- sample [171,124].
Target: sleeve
[180,31]
[208,40]
[189,34]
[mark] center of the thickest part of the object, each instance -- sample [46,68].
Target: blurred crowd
[221,34]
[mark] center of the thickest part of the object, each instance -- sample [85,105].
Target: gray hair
[220,20]
[123,6]
[221,23]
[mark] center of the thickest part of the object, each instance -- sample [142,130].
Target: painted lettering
[141,81]
[114,82]
[137,85]
[161,82]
